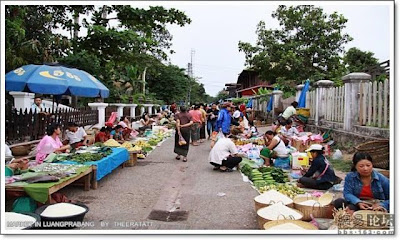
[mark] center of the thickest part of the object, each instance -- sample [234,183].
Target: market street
[160,184]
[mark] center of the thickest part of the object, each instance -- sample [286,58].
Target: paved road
[163,193]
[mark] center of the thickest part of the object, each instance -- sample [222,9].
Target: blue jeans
[210,127]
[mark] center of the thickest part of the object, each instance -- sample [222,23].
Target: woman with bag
[320,175]
[182,137]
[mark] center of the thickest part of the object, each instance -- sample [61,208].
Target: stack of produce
[87,156]
[287,189]
[246,169]
[130,147]
[277,174]
[111,143]
[241,142]
[257,178]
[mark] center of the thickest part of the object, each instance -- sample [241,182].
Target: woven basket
[379,151]
[132,159]
[262,221]
[317,211]
[21,150]
[259,205]
[305,225]
[362,215]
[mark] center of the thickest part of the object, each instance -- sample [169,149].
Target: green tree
[221,95]
[169,83]
[306,46]
[357,60]
[29,35]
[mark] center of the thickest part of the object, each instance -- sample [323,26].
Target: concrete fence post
[22,100]
[120,109]
[277,95]
[101,107]
[351,95]
[320,104]
[133,110]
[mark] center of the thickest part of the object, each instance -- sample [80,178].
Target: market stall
[281,204]
[103,166]
[45,179]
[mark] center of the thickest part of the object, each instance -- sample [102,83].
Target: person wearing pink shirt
[50,143]
[197,120]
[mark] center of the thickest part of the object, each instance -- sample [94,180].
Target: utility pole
[190,74]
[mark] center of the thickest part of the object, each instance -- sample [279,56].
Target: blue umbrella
[270,103]
[303,95]
[55,80]
[250,103]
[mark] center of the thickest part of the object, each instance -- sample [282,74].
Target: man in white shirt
[38,106]
[76,136]
[224,155]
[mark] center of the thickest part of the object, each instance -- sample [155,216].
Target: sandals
[178,158]
[226,170]
[216,168]
[185,159]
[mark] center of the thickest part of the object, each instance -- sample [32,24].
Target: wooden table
[86,176]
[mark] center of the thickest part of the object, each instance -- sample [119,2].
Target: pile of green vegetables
[146,150]
[86,157]
[264,176]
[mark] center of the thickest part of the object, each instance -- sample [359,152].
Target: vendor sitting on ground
[364,188]
[164,118]
[275,148]
[145,122]
[127,128]
[117,134]
[252,132]
[76,136]
[239,129]
[224,155]
[320,175]
[288,131]
[103,135]
[50,143]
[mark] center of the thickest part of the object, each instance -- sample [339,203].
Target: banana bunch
[135,149]
[141,156]
[142,143]
[127,145]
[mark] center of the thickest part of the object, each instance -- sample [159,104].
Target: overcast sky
[217,28]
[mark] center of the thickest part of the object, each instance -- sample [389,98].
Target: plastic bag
[337,155]
[182,141]
[253,153]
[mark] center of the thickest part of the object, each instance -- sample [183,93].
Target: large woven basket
[305,225]
[379,151]
[262,221]
[259,205]
[21,150]
[317,210]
